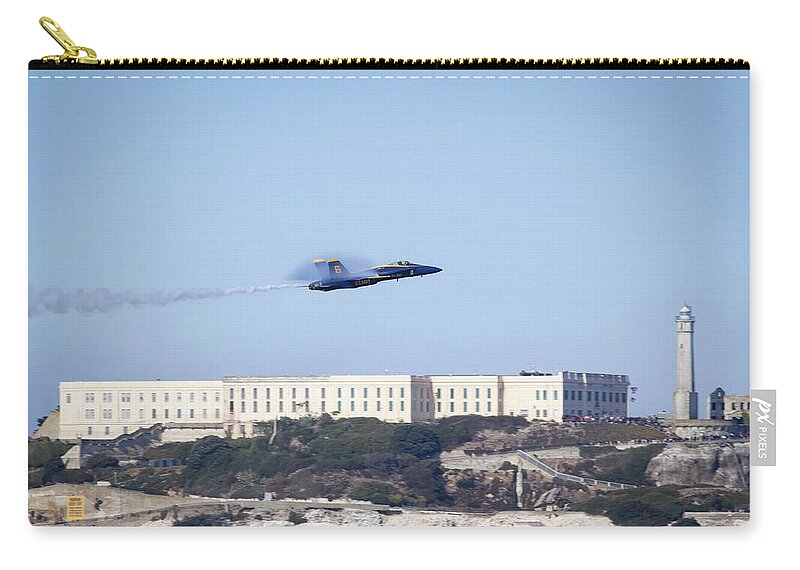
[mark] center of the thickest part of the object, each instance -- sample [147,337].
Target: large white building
[236,404]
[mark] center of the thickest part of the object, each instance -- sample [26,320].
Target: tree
[416,440]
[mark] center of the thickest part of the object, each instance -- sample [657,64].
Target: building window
[427,405]
[390,392]
[107,414]
[339,406]
[69,398]
[488,406]
[377,406]
[477,393]
[268,394]
[255,393]
[544,413]
[153,413]
[465,393]
[280,406]
[141,397]
[205,413]
[588,396]
[604,396]
[580,396]
[322,393]
[338,392]
[126,413]
[402,404]
[465,406]
[624,398]
[106,397]
[166,414]
[294,407]
[231,394]
[216,396]
[179,413]
[365,405]
[488,392]
[537,394]
[241,429]
[365,392]
[216,413]
[243,393]
[108,430]
[352,406]
[230,408]
[89,430]
[268,406]
[191,396]
[179,397]
[166,396]
[153,397]
[305,393]
[555,394]
[322,406]
[191,413]
[88,414]
[141,413]
[438,406]
[537,413]
[280,393]
[391,405]
[402,392]
[477,406]
[126,397]
[244,404]
[204,397]
[294,393]
[89,397]
[544,394]
[452,407]
[125,430]
[255,406]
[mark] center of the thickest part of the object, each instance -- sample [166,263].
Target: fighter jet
[333,274]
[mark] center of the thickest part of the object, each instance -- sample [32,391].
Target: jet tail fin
[322,268]
[337,269]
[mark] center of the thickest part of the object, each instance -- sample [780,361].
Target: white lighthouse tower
[685,398]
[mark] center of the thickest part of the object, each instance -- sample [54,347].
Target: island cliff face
[720,465]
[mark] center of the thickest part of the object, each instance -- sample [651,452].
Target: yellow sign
[75,508]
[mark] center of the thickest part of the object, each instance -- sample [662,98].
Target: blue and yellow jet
[333,274]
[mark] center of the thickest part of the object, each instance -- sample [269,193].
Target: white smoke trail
[55,300]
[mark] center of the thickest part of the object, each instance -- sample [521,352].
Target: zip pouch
[388,292]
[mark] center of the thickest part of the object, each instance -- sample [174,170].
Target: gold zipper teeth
[75,55]
[454,63]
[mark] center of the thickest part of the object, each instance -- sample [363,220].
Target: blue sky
[572,218]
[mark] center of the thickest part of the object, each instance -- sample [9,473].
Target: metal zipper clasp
[72,52]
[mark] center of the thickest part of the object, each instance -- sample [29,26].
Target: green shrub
[628,466]
[297,518]
[41,451]
[222,519]
[644,506]
[378,493]
[416,440]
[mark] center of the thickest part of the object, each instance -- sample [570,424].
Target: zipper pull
[72,52]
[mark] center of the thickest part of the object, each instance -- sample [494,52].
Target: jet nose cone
[429,269]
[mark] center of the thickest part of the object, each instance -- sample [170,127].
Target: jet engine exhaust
[89,301]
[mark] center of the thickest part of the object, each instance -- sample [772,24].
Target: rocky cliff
[718,464]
